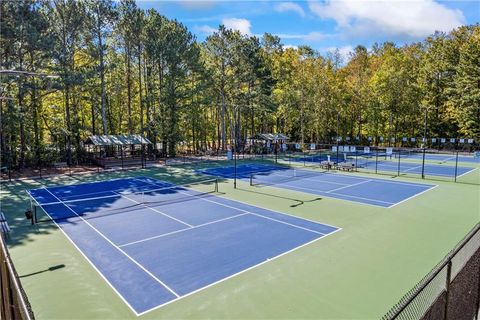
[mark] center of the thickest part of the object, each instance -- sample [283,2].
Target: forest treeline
[120,69]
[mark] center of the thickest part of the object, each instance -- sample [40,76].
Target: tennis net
[366,159]
[279,177]
[95,205]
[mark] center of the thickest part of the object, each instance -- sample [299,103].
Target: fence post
[478,296]
[398,171]
[423,163]
[121,154]
[447,287]
[456,166]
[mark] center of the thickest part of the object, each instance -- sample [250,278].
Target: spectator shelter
[117,150]
[268,141]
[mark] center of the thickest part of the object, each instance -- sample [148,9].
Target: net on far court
[273,178]
[95,205]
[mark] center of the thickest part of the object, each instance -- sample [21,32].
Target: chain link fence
[14,301]
[451,291]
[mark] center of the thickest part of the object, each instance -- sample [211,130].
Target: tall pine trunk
[102,83]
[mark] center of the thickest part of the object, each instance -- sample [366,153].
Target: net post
[251,179]
[216,185]
[376,161]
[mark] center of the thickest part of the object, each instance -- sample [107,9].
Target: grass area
[359,272]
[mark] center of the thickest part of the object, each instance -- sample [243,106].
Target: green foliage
[125,70]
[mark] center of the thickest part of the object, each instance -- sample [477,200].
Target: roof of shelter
[110,140]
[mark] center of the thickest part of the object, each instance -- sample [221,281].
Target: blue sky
[324,25]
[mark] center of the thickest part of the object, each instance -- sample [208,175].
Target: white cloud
[289,6]
[344,51]
[242,25]
[312,36]
[414,19]
[205,29]
[290,46]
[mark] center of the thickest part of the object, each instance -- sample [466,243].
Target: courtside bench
[4,227]
[346,166]
[327,164]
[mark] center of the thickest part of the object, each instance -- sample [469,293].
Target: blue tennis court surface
[416,168]
[443,157]
[390,164]
[155,242]
[378,192]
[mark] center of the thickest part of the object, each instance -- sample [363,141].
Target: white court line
[309,179]
[253,213]
[153,209]
[182,230]
[210,285]
[351,185]
[85,182]
[83,254]
[375,179]
[240,272]
[290,215]
[254,266]
[323,193]
[415,195]
[256,214]
[412,168]
[469,171]
[115,246]
[302,218]
[355,197]
[418,173]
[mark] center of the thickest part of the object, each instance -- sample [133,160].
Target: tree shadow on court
[52,268]
[297,203]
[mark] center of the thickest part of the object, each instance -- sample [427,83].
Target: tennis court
[406,167]
[378,192]
[440,157]
[391,163]
[155,242]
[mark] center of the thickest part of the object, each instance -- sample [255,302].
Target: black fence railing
[416,163]
[451,291]
[14,302]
